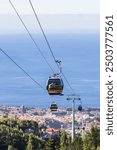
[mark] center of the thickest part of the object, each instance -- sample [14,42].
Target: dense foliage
[27,135]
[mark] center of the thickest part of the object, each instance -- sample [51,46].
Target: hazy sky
[52,6]
[69,15]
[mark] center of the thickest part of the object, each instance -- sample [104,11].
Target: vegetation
[27,135]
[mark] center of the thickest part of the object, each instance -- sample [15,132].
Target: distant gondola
[53,107]
[55,85]
[80,108]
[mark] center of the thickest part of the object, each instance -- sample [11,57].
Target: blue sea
[80,56]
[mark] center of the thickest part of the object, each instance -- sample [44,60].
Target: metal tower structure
[73,98]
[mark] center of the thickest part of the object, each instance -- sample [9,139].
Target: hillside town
[54,121]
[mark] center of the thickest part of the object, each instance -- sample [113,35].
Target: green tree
[16,139]
[98,148]
[87,142]
[95,134]
[30,145]
[34,143]
[57,143]
[10,147]
[92,139]
[78,143]
[49,145]
[70,145]
[63,140]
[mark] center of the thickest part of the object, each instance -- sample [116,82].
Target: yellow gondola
[53,107]
[55,85]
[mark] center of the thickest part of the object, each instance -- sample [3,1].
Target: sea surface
[80,56]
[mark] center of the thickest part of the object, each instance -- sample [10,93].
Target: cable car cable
[22,69]
[31,36]
[40,25]
[37,45]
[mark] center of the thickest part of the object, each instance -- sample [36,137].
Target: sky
[57,16]
[52,6]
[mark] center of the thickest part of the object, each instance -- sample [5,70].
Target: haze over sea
[79,53]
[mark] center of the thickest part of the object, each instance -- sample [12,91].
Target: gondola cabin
[80,108]
[55,85]
[53,107]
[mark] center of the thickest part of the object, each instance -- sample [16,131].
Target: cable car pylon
[73,98]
